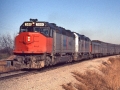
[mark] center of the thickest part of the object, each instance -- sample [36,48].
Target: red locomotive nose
[28,39]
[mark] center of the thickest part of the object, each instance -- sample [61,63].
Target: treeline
[6,45]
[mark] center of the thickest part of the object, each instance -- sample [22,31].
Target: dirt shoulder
[52,79]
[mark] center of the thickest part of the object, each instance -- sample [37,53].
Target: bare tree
[6,43]
[0,42]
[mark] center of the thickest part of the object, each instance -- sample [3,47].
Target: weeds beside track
[107,79]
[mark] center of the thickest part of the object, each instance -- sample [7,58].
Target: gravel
[51,79]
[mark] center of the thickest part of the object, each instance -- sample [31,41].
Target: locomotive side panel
[63,43]
[49,45]
[57,42]
[68,45]
[82,47]
[87,45]
[71,44]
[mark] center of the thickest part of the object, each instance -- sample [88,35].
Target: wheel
[47,61]
[70,59]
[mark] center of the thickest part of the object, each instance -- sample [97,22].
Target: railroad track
[18,73]
[24,72]
[12,74]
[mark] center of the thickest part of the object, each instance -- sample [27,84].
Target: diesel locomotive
[41,44]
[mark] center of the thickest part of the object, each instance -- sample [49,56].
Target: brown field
[3,56]
[5,66]
[107,79]
[3,69]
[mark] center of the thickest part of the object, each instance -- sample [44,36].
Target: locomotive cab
[34,37]
[43,30]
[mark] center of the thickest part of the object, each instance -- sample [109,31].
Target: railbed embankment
[6,64]
[108,77]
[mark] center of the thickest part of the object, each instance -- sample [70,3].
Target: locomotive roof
[57,28]
[83,36]
[53,26]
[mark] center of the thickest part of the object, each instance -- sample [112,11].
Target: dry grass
[5,67]
[4,55]
[91,80]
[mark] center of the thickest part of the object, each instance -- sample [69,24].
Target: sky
[96,19]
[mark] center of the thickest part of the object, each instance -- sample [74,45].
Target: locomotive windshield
[38,27]
[44,30]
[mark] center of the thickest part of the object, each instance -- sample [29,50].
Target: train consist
[41,44]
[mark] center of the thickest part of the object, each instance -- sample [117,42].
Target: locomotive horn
[34,20]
